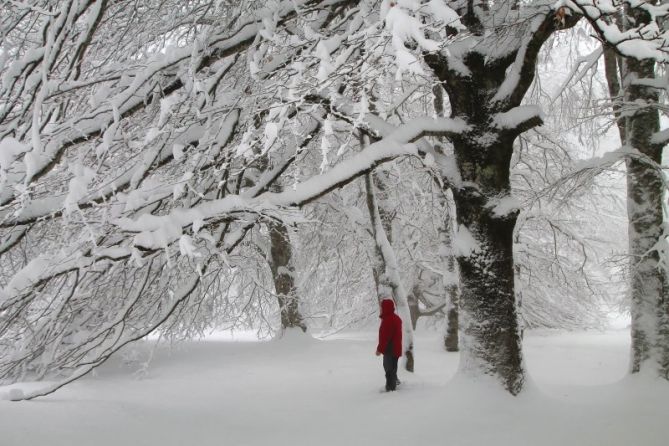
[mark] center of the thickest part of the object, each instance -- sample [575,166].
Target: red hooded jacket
[390,331]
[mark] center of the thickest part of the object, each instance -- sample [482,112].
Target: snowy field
[301,391]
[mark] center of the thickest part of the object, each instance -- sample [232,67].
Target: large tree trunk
[389,277]
[649,282]
[485,89]
[480,95]
[283,274]
[491,343]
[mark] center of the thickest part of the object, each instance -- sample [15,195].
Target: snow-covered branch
[157,231]
[641,38]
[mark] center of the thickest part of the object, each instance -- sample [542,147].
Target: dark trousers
[390,366]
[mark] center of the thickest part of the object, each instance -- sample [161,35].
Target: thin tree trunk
[283,274]
[446,235]
[451,343]
[385,218]
[281,260]
[451,338]
[414,308]
[389,277]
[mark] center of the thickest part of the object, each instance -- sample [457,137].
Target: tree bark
[414,308]
[482,88]
[451,338]
[283,275]
[491,344]
[649,282]
[385,219]
[489,319]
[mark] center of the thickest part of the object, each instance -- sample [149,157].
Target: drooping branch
[396,144]
[148,84]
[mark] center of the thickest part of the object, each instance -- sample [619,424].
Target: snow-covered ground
[301,391]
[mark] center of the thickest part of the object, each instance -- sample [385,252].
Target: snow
[326,68]
[10,149]
[405,27]
[166,105]
[271,133]
[299,390]
[505,205]
[34,162]
[79,185]
[513,75]
[178,151]
[641,41]
[295,390]
[187,247]
[158,231]
[444,13]
[464,243]
[605,160]
[15,394]
[25,277]
[110,108]
[31,56]
[325,144]
[45,266]
[516,116]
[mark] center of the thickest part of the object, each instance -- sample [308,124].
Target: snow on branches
[149,156]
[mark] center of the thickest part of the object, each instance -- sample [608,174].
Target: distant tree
[634,40]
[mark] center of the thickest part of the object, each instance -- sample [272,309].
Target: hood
[387,307]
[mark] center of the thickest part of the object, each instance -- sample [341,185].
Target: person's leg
[390,375]
[394,379]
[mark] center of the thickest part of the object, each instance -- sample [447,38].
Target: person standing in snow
[390,342]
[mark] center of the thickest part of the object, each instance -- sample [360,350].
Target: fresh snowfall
[334,222]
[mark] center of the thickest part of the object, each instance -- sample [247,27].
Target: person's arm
[383,338]
[398,335]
